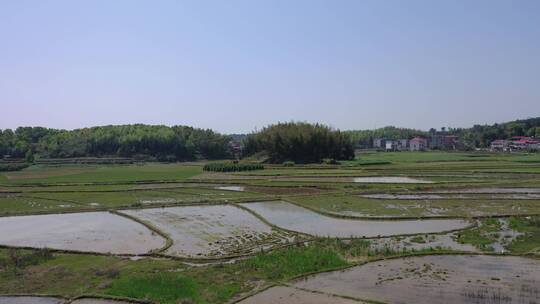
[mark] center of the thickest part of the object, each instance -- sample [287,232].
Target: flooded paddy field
[448,241]
[97,301]
[292,217]
[492,190]
[391,180]
[31,300]
[517,235]
[210,231]
[101,232]
[232,188]
[435,279]
[391,186]
[462,196]
[47,201]
[283,294]
[418,205]
[53,300]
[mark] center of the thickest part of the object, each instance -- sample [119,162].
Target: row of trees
[364,138]
[477,136]
[483,135]
[159,142]
[299,142]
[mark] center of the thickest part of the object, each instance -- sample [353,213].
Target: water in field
[52,300]
[491,190]
[30,300]
[411,196]
[446,241]
[232,188]
[390,180]
[89,231]
[286,295]
[97,301]
[292,217]
[436,279]
[209,231]
[433,196]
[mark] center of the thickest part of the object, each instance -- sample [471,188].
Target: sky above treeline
[234,66]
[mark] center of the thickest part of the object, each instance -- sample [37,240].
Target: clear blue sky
[236,65]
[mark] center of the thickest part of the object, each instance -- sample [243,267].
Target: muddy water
[51,300]
[232,188]
[299,219]
[490,190]
[390,180]
[97,301]
[201,231]
[89,231]
[436,279]
[434,241]
[30,300]
[413,196]
[286,295]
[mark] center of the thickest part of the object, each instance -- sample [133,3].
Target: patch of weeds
[18,259]
[530,240]
[418,239]
[293,261]
[481,236]
[160,287]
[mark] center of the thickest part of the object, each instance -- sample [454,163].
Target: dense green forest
[299,142]
[145,141]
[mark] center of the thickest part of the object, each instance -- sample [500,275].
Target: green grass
[482,236]
[441,156]
[293,261]
[103,174]
[530,241]
[162,287]
[164,281]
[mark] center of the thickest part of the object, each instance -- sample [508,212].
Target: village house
[500,145]
[418,144]
[379,143]
[516,143]
[523,143]
[403,145]
[442,141]
[391,145]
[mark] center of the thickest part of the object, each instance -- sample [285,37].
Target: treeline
[364,138]
[299,142]
[477,136]
[161,143]
[483,135]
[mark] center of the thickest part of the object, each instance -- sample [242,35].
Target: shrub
[232,167]
[13,166]
[288,163]
[330,161]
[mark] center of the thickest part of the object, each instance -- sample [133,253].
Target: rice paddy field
[384,228]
